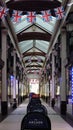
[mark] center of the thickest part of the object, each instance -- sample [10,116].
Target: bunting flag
[40,72]
[48,66]
[29,60]
[12,53]
[54,52]
[46,57]
[39,59]
[31,17]
[59,12]
[35,72]
[46,16]
[3,12]
[7,46]
[44,70]
[16,16]
[17,64]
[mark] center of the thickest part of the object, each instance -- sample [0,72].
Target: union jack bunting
[48,66]
[44,70]
[40,72]
[39,59]
[31,17]
[16,16]
[59,12]
[29,60]
[46,16]
[35,72]
[3,12]
[46,57]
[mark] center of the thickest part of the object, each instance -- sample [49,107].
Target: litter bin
[15,104]
[52,102]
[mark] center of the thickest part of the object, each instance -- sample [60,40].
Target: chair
[37,108]
[33,102]
[35,120]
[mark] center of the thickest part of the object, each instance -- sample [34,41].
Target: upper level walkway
[13,120]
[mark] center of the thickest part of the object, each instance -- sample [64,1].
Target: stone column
[22,85]
[43,88]
[63,76]
[53,82]
[0,38]
[4,104]
[14,81]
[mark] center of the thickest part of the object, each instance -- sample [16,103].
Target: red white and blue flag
[46,16]
[39,59]
[3,12]
[48,66]
[40,72]
[31,17]
[46,57]
[29,60]
[16,16]
[44,71]
[59,12]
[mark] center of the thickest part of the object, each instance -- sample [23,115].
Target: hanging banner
[31,16]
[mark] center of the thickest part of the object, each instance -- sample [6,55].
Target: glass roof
[29,46]
[34,45]
[23,24]
[25,45]
[42,45]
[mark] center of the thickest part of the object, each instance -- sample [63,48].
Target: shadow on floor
[2,117]
[68,118]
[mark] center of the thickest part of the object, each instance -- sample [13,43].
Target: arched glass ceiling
[42,45]
[22,25]
[47,26]
[25,45]
[34,45]
[39,44]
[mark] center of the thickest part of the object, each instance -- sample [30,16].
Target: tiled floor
[13,120]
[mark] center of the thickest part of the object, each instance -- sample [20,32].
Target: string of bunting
[31,16]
